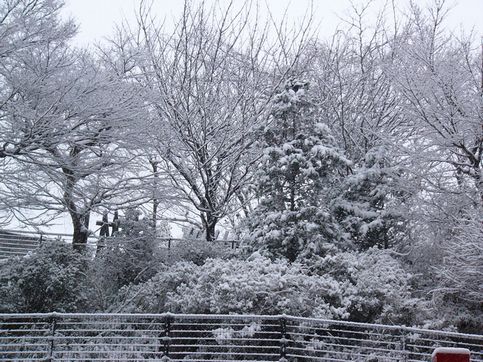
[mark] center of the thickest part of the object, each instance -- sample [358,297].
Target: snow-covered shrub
[257,285]
[50,279]
[131,257]
[11,299]
[151,296]
[379,288]
[448,259]
[196,251]
[369,286]
[128,257]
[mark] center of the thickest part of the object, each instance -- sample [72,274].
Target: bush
[151,296]
[258,285]
[369,286]
[379,288]
[130,257]
[451,312]
[50,279]
[195,251]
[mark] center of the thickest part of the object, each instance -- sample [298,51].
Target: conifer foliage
[300,161]
[365,207]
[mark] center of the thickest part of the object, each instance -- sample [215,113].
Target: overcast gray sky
[97,17]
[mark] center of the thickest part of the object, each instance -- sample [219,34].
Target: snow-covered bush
[450,312]
[11,299]
[459,295]
[379,288]
[257,285]
[130,257]
[369,286]
[151,296]
[50,279]
[196,251]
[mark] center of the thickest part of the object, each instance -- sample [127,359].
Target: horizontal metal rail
[197,337]
[21,242]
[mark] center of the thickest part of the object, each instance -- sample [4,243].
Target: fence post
[53,323]
[283,339]
[166,337]
[403,345]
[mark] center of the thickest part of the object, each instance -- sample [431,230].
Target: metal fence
[21,242]
[17,244]
[178,337]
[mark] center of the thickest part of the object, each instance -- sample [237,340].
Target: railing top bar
[201,240]
[386,326]
[143,315]
[16,233]
[29,232]
[239,317]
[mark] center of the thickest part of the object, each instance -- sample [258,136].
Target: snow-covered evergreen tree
[299,165]
[364,207]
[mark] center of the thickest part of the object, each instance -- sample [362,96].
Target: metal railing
[16,244]
[20,242]
[183,337]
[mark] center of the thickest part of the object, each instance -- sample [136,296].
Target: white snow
[450,350]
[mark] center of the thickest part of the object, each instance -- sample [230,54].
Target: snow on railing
[21,242]
[16,244]
[182,337]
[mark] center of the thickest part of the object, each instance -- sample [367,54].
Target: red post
[443,354]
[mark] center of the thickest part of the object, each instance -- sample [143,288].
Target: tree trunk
[479,181]
[80,218]
[209,223]
[80,233]
[154,216]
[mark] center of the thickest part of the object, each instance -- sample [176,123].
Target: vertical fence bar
[404,350]
[283,339]
[53,324]
[168,319]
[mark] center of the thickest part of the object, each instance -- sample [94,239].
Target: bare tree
[25,27]
[208,87]
[356,95]
[78,116]
[63,122]
[439,77]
